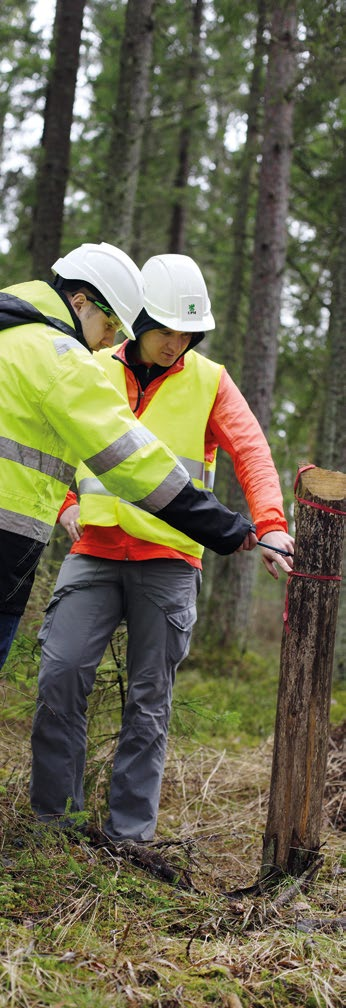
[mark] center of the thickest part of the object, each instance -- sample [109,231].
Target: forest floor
[87,928]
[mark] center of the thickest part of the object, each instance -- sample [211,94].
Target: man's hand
[69,521]
[282,540]
[248,543]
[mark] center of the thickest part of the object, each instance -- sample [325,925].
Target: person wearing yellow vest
[58,406]
[129,565]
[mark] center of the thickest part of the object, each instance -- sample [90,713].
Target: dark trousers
[19,557]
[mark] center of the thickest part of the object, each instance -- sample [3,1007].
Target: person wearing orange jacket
[128,565]
[57,407]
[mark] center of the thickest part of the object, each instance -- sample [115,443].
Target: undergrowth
[81,928]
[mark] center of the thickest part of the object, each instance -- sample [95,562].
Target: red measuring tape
[311,577]
[301,500]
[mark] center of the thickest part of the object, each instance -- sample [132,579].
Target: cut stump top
[324,484]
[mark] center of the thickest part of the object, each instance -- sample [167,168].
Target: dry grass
[85,930]
[79,929]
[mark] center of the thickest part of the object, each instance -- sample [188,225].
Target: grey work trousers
[157,598]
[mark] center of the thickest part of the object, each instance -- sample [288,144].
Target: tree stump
[292,834]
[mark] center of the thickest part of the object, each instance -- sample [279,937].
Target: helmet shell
[175,293]
[112,272]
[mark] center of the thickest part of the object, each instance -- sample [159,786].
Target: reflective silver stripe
[32,458]
[209,479]
[166,492]
[197,471]
[24,525]
[119,450]
[65,343]
[88,485]
[91,485]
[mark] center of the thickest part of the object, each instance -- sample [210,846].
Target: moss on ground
[84,929]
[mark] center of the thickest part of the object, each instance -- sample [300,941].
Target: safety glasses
[107,311]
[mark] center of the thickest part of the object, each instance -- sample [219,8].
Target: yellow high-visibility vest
[178,413]
[57,407]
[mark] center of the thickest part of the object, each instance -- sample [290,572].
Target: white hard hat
[114,275]
[175,293]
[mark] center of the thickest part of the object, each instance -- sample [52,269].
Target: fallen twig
[151,862]
[321,924]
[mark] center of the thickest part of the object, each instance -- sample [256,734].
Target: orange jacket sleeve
[233,426]
[71,498]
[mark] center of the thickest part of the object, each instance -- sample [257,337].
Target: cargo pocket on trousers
[59,594]
[47,622]
[180,627]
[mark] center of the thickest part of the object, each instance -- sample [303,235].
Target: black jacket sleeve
[200,515]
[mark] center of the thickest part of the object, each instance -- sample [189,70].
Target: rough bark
[176,241]
[332,448]
[128,121]
[53,165]
[230,346]
[261,341]
[292,834]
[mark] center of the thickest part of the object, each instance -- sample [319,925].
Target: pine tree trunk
[53,166]
[176,242]
[128,126]
[261,340]
[229,345]
[292,835]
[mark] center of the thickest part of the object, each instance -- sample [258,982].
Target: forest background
[216,129]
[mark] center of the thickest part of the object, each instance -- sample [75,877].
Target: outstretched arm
[200,515]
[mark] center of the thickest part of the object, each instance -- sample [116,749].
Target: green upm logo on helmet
[191,309]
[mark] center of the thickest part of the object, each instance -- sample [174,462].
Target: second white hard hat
[175,293]
[112,272]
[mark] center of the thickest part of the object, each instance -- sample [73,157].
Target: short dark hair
[76,286]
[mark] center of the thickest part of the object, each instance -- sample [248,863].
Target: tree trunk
[176,241]
[292,835]
[261,340]
[53,166]
[332,451]
[128,123]
[229,347]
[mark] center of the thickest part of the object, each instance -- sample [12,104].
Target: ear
[78,301]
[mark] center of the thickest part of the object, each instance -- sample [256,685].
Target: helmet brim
[191,325]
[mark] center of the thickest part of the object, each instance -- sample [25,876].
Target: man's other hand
[69,521]
[283,541]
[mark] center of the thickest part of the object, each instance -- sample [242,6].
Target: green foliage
[23,62]
[212,193]
[19,674]
[76,930]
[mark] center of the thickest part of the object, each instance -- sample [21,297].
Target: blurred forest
[217,129]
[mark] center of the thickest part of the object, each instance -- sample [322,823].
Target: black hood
[144,322]
[15,312]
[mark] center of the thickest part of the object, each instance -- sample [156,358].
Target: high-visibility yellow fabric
[57,406]
[177,413]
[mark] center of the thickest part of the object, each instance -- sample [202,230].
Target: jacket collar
[122,354]
[14,311]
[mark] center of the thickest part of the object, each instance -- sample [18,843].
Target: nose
[109,340]
[173,343]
